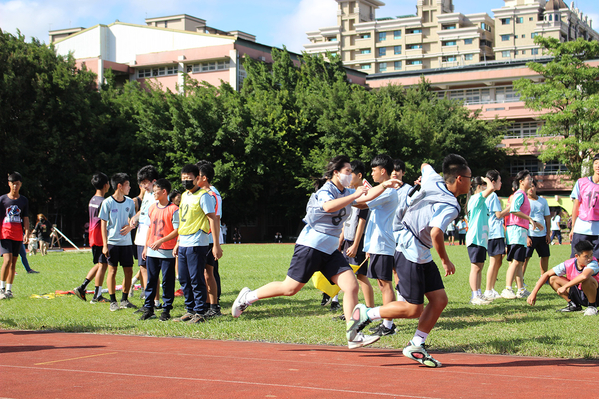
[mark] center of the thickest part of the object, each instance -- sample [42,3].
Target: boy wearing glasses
[576,280]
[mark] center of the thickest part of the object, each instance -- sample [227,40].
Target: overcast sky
[274,22]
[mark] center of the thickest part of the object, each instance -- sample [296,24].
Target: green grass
[504,327]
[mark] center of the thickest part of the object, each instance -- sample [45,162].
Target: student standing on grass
[316,248]
[450,233]
[158,251]
[478,234]
[518,223]
[585,210]
[538,239]
[197,219]
[426,218]
[556,230]
[100,183]
[379,242]
[576,280]
[14,214]
[115,215]
[462,228]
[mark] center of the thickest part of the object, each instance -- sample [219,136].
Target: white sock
[133,281]
[156,302]
[479,292]
[8,287]
[419,338]
[488,292]
[252,296]
[474,294]
[508,288]
[374,313]
[388,323]
[335,298]
[2,285]
[99,290]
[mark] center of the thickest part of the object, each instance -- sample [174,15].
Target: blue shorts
[381,267]
[358,259]
[120,254]
[98,255]
[477,253]
[210,257]
[496,246]
[306,261]
[577,296]
[140,260]
[576,238]
[416,279]
[517,252]
[540,244]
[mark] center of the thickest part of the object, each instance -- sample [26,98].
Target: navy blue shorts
[10,247]
[577,296]
[576,238]
[477,253]
[381,267]
[306,261]
[496,246]
[415,279]
[517,252]
[540,244]
[120,254]
[210,257]
[358,259]
[98,255]
[140,260]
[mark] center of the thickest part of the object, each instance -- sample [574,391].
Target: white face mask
[344,179]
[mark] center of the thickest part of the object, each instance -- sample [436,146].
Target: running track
[50,365]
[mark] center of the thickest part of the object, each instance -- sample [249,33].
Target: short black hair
[163,184]
[99,180]
[384,161]
[596,157]
[206,169]
[191,168]
[358,167]
[453,166]
[582,246]
[521,176]
[118,178]
[148,172]
[476,182]
[399,165]
[15,176]
[493,175]
[174,192]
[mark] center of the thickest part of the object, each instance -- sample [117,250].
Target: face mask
[188,184]
[345,180]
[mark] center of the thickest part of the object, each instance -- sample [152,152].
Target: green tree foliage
[569,98]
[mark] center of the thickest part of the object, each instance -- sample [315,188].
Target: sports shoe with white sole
[508,293]
[590,311]
[359,320]
[79,293]
[570,307]
[361,340]
[326,299]
[522,293]
[114,306]
[240,303]
[479,300]
[127,305]
[420,354]
[382,331]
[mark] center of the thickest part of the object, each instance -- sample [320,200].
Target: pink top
[524,208]
[572,271]
[588,193]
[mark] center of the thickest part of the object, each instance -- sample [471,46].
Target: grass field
[504,327]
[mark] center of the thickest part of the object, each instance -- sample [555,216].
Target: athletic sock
[479,292]
[419,338]
[474,294]
[215,306]
[8,287]
[112,297]
[593,304]
[374,313]
[85,283]
[252,296]
[2,285]
[156,302]
[133,281]
[388,323]
[97,291]
[335,298]
[124,296]
[488,292]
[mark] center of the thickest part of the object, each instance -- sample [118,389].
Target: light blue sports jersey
[516,235]
[117,215]
[326,243]
[199,238]
[378,237]
[442,215]
[144,219]
[461,226]
[538,210]
[402,195]
[560,270]
[165,253]
[478,218]
[219,209]
[496,229]
[589,228]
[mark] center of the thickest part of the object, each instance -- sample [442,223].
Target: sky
[273,22]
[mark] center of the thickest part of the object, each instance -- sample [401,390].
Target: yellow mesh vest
[191,216]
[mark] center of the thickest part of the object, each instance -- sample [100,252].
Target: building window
[161,71]
[516,165]
[144,73]
[469,57]
[530,19]
[534,51]
[534,34]
[365,36]
[486,27]
[382,36]
[523,52]
[520,20]
[397,65]
[551,17]
[210,66]
[413,31]
[522,130]
[414,62]
[365,51]
[449,58]
[397,34]
[505,38]
[366,66]
[505,54]
[554,168]
[485,43]
[468,41]
[333,39]
[397,50]
[506,21]
[382,51]
[413,46]
[449,43]
[383,67]
[447,27]
[506,94]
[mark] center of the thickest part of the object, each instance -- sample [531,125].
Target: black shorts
[540,244]
[496,246]
[477,253]
[140,259]
[98,255]
[381,267]
[577,296]
[306,261]
[517,252]
[120,254]
[576,238]
[456,233]
[10,247]
[358,259]
[210,257]
[415,279]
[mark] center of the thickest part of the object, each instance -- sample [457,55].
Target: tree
[569,98]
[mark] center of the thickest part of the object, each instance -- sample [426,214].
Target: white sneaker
[508,293]
[522,293]
[240,303]
[591,311]
[479,300]
[361,340]
[495,294]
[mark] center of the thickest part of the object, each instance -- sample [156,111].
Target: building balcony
[322,47]
[364,57]
[414,38]
[414,53]
[414,67]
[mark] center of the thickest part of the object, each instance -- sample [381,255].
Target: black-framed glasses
[468,177]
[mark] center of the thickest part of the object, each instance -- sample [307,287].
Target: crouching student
[158,251]
[576,280]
